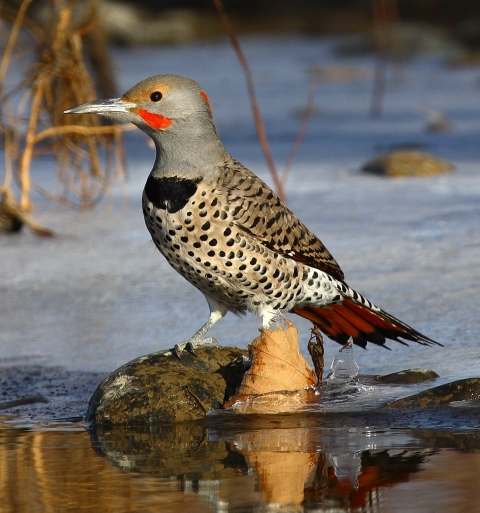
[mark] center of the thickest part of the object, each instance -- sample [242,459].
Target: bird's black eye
[156,96]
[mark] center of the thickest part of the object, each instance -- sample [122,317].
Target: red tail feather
[346,319]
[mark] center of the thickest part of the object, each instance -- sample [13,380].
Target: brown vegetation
[32,122]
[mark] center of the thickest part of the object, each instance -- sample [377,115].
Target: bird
[227,232]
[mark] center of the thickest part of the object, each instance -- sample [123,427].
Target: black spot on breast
[170,193]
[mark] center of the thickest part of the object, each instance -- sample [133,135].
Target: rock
[438,122]
[461,390]
[12,217]
[9,223]
[160,388]
[132,24]
[407,163]
[408,377]
[402,41]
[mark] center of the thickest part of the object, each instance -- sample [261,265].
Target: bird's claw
[190,346]
[177,350]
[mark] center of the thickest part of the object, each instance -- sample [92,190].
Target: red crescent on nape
[156,121]
[207,101]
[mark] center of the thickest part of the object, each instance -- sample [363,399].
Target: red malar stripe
[156,121]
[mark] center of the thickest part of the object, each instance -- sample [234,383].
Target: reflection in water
[238,466]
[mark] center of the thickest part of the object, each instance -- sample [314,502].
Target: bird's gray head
[154,103]
[173,110]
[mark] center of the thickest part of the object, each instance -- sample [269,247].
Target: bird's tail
[361,320]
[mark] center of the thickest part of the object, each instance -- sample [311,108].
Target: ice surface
[99,294]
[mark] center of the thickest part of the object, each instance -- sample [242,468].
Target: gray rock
[461,390]
[161,388]
[408,377]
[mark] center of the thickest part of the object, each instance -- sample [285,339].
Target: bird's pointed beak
[111,106]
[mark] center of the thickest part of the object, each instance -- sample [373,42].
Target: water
[341,455]
[289,463]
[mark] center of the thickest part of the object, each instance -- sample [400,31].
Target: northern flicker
[226,232]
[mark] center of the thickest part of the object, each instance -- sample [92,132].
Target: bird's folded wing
[258,211]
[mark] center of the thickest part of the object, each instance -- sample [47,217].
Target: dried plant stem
[195,396]
[24,170]
[262,136]
[316,350]
[13,39]
[396,39]
[388,43]
[120,159]
[7,135]
[303,128]
[86,154]
[82,130]
[379,80]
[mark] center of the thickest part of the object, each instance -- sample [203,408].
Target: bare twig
[262,136]
[303,127]
[388,43]
[316,350]
[24,170]
[379,81]
[195,396]
[7,55]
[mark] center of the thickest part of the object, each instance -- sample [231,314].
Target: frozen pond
[98,294]
[75,307]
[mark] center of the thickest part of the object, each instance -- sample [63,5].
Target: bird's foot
[190,345]
[280,319]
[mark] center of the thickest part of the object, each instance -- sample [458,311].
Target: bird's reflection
[289,462]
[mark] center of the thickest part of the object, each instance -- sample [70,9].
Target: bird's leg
[217,311]
[271,316]
[280,319]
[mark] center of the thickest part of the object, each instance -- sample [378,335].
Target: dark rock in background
[407,163]
[408,377]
